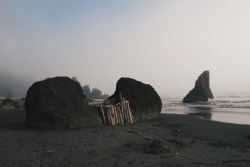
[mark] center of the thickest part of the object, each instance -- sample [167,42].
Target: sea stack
[59,103]
[144,101]
[201,91]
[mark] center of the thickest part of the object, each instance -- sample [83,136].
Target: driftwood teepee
[115,114]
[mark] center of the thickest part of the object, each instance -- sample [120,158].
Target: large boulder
[59,103]
[144,101]
[201,91]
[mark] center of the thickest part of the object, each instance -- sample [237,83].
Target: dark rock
[9,103]
[144,101]
[201,91]
[59,103]
[86,91]
[96,94]
[105,96]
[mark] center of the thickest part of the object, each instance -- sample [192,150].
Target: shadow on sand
[12,119]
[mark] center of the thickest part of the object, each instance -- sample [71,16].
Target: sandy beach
[172,140]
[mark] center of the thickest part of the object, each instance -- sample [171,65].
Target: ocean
[230,109]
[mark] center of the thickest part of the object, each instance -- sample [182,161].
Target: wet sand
[172,140]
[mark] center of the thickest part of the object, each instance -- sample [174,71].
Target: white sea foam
[232,109]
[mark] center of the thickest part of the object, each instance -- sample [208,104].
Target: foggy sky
[165,43]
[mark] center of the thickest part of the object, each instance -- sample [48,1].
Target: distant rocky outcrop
[9,103]
[94,94]
[144,101]
[86,91]
[59,103]
[105,96]
[201,91]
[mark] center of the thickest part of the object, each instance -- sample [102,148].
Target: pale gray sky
[165,43]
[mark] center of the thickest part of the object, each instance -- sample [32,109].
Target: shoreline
[171,140]
[230,109]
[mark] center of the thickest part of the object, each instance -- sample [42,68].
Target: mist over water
[18,85]
[166,44]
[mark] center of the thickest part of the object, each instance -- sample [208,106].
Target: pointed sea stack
[201,91]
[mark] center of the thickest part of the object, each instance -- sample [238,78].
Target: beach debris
[176,143]
[134,132]
[50,151]
[157,147]
[176,131]
[151,127]
[150,139]
[201,91]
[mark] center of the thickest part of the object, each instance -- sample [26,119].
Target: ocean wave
[234,109]
[220,103]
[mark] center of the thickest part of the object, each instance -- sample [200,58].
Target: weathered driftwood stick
[130,113]
[103,115]
[129,120]
[115,118]
[121,118]
[125,114]
[112,116]
[108,115]
[116,115]
[120,113]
